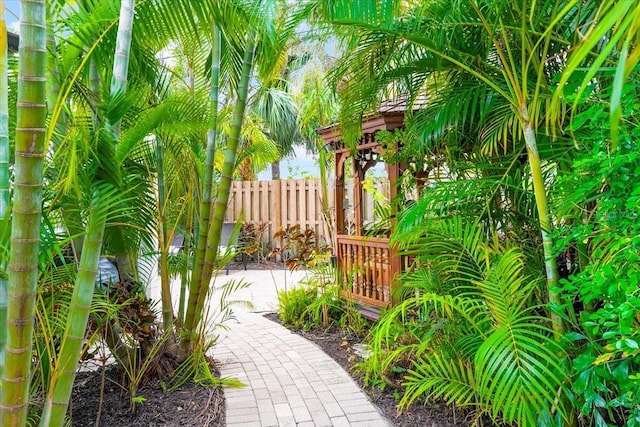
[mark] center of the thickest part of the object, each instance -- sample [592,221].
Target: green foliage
[469,331]
[317,301]
[599,199]
[293,305]
[250,239]
[300,248]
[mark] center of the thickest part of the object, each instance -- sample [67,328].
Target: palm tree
[495,45]
[273,103]
[260,19]
[73,338]
[318,108]
[4,174]
[203,271]
[25,230]
[207,181]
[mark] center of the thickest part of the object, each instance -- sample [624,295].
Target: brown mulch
[339,347]
[191,405]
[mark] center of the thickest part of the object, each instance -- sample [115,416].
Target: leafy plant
[293,306]
[600,203]
[250,240]
[469,331]
[299,247]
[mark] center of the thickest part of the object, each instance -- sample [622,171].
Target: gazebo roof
[370,124]
[390,115]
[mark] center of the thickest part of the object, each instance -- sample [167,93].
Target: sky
[12,12]
[302,165]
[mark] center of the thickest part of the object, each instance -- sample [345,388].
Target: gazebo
[367,264]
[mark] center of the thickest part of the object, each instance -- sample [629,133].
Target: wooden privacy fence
[280,204]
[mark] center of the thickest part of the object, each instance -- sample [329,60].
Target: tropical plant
[470,331]
[258,40]
[274,104]
[4,178]
[300,248]
[494,61]
[318,108]
[595,198]
[102,201]
[293,304]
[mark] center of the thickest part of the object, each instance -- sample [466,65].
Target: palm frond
[438,377]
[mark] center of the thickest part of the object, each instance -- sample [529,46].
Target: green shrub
[470,331]
[294,304]
[600,197]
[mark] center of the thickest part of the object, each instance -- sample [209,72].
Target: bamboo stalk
[207,180]
[542,205]
[4,174]
[197,299]
[121,59]
[126,265]
[163,244]
[25,230]
[71,347]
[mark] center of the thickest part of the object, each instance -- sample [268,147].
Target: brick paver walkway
[290,381]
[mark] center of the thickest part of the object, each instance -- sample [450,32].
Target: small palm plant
[470,329]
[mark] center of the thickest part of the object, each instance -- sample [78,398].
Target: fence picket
[280,204]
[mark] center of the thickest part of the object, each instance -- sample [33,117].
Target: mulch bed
[190,405]
[194,405]
[332,341]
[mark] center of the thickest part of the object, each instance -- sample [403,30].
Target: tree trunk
[126,263]
[164,240]
[121,58]
[275,170]
[25,230]
[200,289]
[64,371]
[545,220]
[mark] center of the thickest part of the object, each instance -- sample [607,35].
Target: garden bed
[190,406]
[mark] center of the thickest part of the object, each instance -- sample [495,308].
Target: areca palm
[496,45]
[318,108]
[261,32]
[476,339]
[71,346]
[204,268]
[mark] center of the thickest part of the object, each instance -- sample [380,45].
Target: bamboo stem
[71,347]
[4,174]
[25,230]
[544,218]
[207,181]
[197,300]
[163,243]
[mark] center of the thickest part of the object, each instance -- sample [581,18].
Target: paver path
[291,381]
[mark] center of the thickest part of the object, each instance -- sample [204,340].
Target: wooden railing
[364,265]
